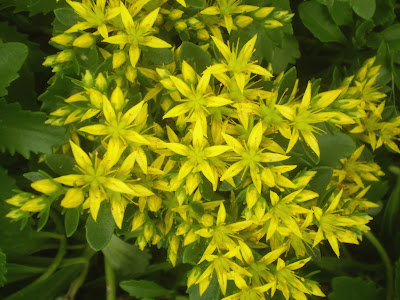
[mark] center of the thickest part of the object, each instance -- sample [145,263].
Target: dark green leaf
[316,18]
[343,147]
[286,54]
[159,56]
[126,259]
[392,35]
[392,209]
[7,184]
[12,57]
[200,4]
[194,56]
[286,84]
[60,164]
[193,253]
[348,288]
[364,8]
[16,272]
[144,289]
[320,181]
[99,232]
[3,268]
[43,217]
[66,16]
[197,208]
[71,221]
[24,131]
[397,279]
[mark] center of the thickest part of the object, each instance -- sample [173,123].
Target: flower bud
[207,220]
[180,26]
[20,199]
[166,103]
[154,203]
[138,220]
[17,214]
[192,182]
[251,196]
[141,242]
[271,24]
[117,98]
[263,12]
[87,79]
[280,14]
[181,123]
[131,74]
[243,21]
[158,130]
[119,58]
[148,230]
[175,14]
[50,60]
[182,229]
[100,82]
[194,276]
[34,205]
[63,39]
[63,56]
[86,40]
[203,35]
[159,20]
[45,186]
[174,244]
[73,198]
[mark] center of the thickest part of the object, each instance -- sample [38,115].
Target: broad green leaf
[66,16]
[126,259]
[60,164]
[194,56]
[287,82]
[144,289]
[7,184]
[193,253]
[24,131]
[159,56]
[54,286]
[200,4]
[348,288]
[364,8]
[316,18]
[341,13]
[384,12]
[3,268]
[320,181]
[344,146]
[71,221]
[213,292]
[286,54]
[99,232]
[12,57]
[326,2]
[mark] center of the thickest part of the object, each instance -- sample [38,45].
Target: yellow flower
[250,156]
[227,8]
[238,64]
[137,34]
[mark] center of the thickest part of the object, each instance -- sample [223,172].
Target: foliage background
[330,40]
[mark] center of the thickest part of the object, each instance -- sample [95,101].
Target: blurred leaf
[392,210]
[321,180]
[12,57]
[60,164]
[54,286]
[16,272]
[286,84]
[194,56]
[348,288]
[99,232]
[193,253]
[159,56]
[66,16]
[34,7]
[341,13]
[397,279]
[127,260]
[25,131]
[144,289]
[7,184]
[364,8]
[3,268]
[199,4]
[71,221]
[392,35]
[316,18]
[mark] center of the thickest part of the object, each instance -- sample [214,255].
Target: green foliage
[100,232]
[142,289]
[347,288]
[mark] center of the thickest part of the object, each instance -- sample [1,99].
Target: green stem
[52,235]
[110,280]
[386,261]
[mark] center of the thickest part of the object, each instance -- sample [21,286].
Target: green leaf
[60,164]
[364,8]
[286,54]
[193,253]
[34,7]
[99,232]
[126,260]
[341,13]
[213,291]
[200,4]
[54,286]
[25,131]
[66,16]
[7,184]
[392,209]
[12,57]
[343,147]
[159,56]
[397,279]
[348,288]
[287,82]
[71,221]
[144,289]
[321,180]
[16,272]
[3,268]
[316,18]
[194,56]
[392,35]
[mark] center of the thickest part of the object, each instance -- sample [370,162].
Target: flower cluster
[207,157]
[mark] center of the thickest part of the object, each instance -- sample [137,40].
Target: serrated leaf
[24,131]
[348,288]
[12,57]
[99,232]
[316,18]
[364,8]
[126,259]
[144,289]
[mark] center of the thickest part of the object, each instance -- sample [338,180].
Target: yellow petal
[255,136]
[212,10]
[81,158]
[147,23]
[178,148]
[311,141]
[185,169]
[233,143]
[134,54]
[126,17]
[71,180]
[217,101]
[215,150]
[224,49]
[305,102]
[73,198]
[117,185]
[155,42]
[177,111]
[198,136]
[97,129]
[182,87]
[233,170]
